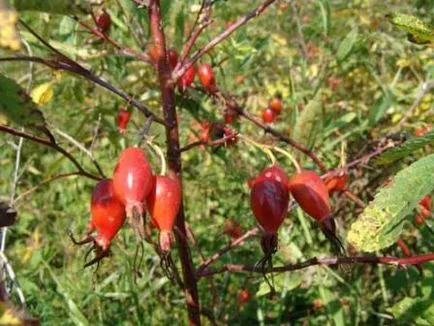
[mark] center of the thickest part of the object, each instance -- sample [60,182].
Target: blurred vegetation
[346,76]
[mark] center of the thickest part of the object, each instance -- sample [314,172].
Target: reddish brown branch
[174,157]
[47,143]
[327,261]
[232,28]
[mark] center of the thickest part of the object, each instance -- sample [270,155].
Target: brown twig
[195,33]
[220,253]
[326,261]
[47,143]
[232,28]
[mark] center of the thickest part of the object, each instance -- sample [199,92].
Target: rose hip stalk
[133,181]
[107,217]
[312,196]
[163,204]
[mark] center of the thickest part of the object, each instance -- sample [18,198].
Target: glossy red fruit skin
[419,220]
[311,194]
[132,179]
[173,58]
[206,77]
[275,172]
[269,202]
[164,202]
[104,21]
[123,118]
[337,181]
[107,213]
[275,104]
[268,115]
[187,78]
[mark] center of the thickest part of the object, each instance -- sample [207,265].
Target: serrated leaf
[406,148]
[9,37]
[42,93]
[63,7]
[380,224]
[419,31]
[19,107]
[347,45]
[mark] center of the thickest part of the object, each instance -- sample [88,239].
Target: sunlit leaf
[347,45]
[43,93]
[419,32]
[9,37]
[380,224]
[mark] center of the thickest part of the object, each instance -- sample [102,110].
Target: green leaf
[419,31]
[347,45]
[418,310]
[380,224]
[283,282]
[63,7]
[379,109]
[179,27]
[309,122]
[406,148]
[19,107]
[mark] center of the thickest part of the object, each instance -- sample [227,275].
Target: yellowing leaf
[9,37]
[419,32]
[43,93]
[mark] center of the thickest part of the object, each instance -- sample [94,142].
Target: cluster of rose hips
[270,197]
[270,113]
[204,72]
[133,191]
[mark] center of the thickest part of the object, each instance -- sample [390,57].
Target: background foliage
[293,53]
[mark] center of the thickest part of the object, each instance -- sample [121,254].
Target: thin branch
[325,261]
[76,69]
[46,181]
[220,253]
[47,143]
[230,103]
[195,33]
[426,87]
[216,142]
[232,28]
[82,148]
